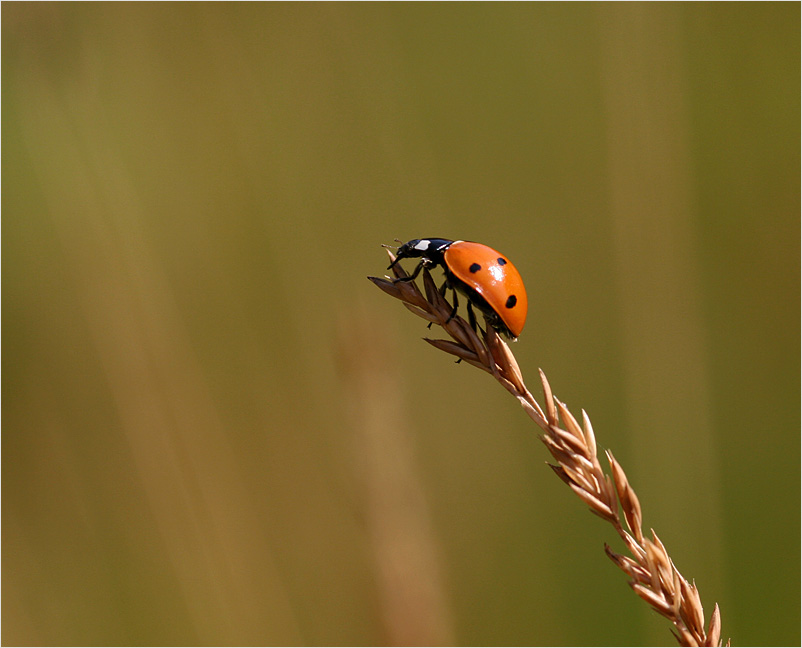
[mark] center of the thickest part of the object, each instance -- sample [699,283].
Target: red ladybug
[485,277]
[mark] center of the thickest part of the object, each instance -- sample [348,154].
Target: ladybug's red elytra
[485,277]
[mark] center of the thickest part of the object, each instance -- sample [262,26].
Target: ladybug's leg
[472,317]
[423,262]
[454,312]
[456,305]
[442,290]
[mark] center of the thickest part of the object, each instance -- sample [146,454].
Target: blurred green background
[217,431]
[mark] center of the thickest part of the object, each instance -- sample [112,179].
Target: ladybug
[485,277]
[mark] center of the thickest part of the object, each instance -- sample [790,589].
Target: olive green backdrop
[217,431]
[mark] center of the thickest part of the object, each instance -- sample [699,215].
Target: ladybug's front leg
[423,263]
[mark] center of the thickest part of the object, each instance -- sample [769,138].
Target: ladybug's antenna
[393,247]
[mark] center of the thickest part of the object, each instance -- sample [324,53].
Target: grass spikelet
[651,572]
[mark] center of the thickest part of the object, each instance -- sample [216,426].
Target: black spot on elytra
[511,301]
[502,261]
[475,267]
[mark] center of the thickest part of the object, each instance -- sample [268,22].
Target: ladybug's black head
[432,249]
[409,249]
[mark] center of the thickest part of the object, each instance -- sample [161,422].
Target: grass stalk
[651,572]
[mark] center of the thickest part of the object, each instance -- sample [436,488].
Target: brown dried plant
[653,575]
